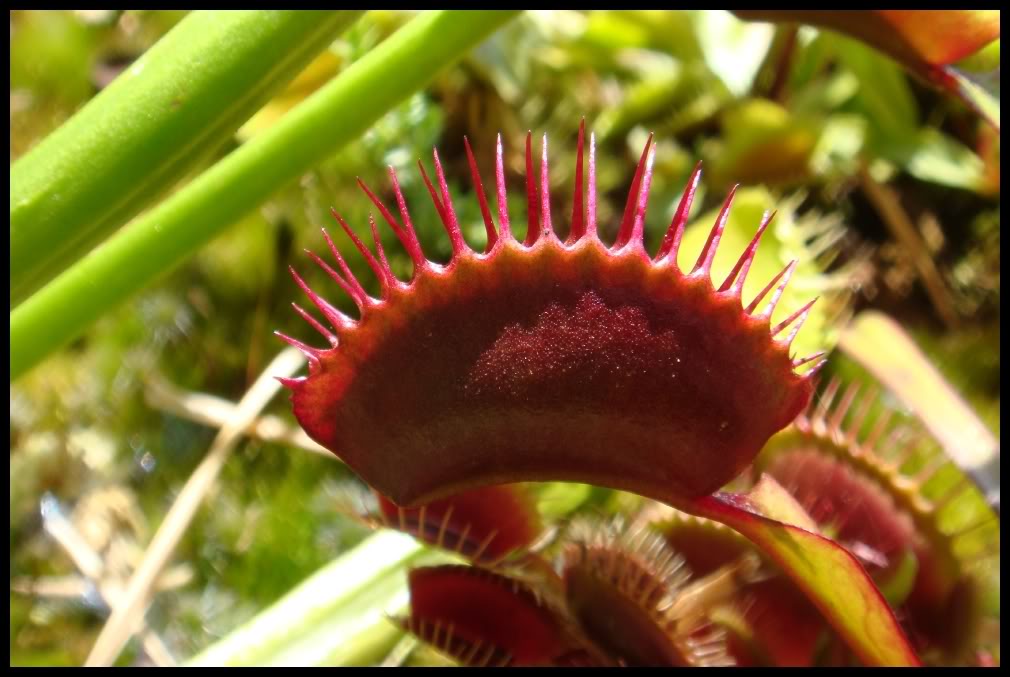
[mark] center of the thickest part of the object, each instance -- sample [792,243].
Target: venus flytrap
[571,360]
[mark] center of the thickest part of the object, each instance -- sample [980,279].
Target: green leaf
[829,575]
[558,500]
[839,146]
[878,343]
[733,49]
[165,236]
[764,143]
[984,100]
[937,158]
[164,115]
[336,617]
[642,101]
[884,94]
[45,56]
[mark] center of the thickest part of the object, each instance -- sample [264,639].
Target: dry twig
[130,610]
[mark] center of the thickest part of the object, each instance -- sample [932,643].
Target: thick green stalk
[178,103]
[165,236]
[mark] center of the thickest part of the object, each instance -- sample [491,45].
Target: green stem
[164,237]
[164,115]
[336,617]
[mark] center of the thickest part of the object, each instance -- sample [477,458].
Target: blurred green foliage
[795,114]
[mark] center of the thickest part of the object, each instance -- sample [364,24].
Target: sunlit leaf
[733,49]
[878,343]
[764,143]
[978,97]
[838,150]
[933,156]
[884,94]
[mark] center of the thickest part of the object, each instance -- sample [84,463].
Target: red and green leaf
[926,42]
[832,578]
